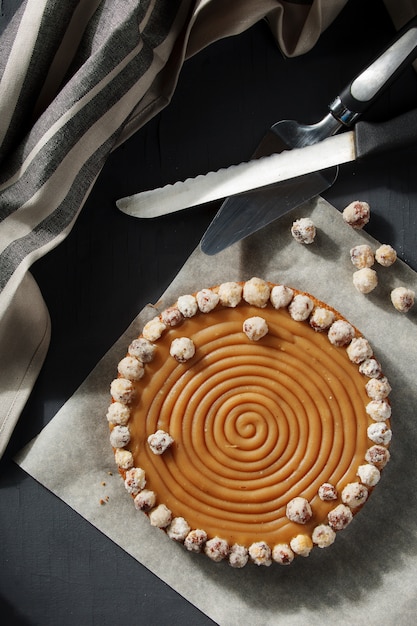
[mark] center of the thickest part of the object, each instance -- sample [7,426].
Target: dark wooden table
[55,568]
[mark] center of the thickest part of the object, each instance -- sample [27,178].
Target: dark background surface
[55,568]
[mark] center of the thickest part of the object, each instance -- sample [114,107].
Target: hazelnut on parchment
[357,214]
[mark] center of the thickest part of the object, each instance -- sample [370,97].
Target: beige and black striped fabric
[78,77]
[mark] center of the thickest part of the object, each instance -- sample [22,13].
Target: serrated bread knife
[253,210]
[366,140]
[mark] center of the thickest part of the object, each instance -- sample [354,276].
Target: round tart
[250,421]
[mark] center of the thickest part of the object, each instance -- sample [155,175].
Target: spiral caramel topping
[255,424]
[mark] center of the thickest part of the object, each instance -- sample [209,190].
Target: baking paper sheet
[369,574]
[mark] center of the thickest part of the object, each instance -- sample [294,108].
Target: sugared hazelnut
[301,545]
[357,214]
[341,333]
[300,307]
[182,349]
[131,368]
[365,280]
[178,529]
[260,553]
[255,328]
[230,294]
[321,318]
[256,292]
[379,410]
[195,540]
[385,255]
[358,350]
[299,510]
[327,492]
[281,296]
[304,230]
[323,536]
[187,305]
[354,495]
[238,556]
[159,442]
[142,349]
[340,517]
[216,549]
[282,554]
[402,299]
[362,256]
[119,436]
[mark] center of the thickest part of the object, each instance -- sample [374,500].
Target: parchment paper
[369,575]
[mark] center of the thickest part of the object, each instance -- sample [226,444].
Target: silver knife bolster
[240,178]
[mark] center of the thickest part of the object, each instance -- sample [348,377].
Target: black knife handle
[368,85]
[373,139]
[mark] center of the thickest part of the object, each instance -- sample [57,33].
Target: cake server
[266,205]
[366,140]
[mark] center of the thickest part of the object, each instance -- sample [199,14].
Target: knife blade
[366,140]
[344,111]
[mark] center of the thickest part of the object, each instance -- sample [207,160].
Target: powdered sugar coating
[354,495]
[369,475]
[230,294]
[303,230]
[300,307]
[301,545]
[118,413]
[135,480]
[323,536]
[281,296]
[195,540]
[238,556]
[131,368]
[182,349]
[402,299]
[321,318]
[178,529]
[123,458]
[260,553]
[385,255]
[207,300]
[187,305]
[379,410]
[378,455]
[362,256]
[160,516]
[299,510]
[282,554]
[159,442]
[359,349]
[145,500]
[378,388]
[357,214]
[172,316]
[341,333]
[153,329]
[378,432]
[256,291]
[255,328]
[340,517]
[119,436]
[327,492]
[216,549]
[142,349]
[122,390]
[371,368]
[365,280]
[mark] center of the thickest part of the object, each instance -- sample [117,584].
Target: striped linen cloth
[78,77]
